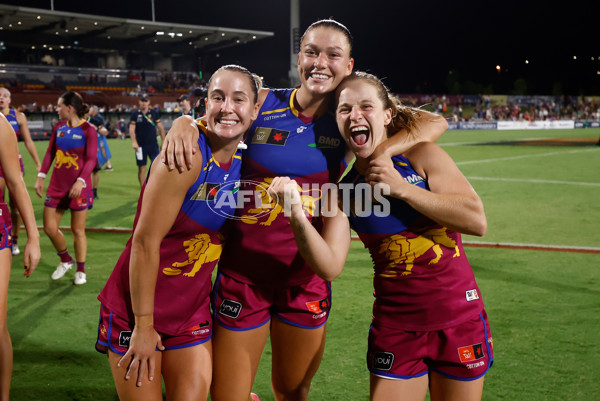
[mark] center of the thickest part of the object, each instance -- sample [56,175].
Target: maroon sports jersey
[73,150]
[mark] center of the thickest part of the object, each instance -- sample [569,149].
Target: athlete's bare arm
[451,200]
[26,135]
[16,186]
[429,128]
[163,196]
[325,252]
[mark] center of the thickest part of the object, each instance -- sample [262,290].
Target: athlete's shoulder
[88,128]
[282,94]
[423,150]
[60,124]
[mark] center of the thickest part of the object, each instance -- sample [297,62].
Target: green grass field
[543,305]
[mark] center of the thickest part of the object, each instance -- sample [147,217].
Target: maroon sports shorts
[241,306]
[85,201]
[114,333]
[462,352]
[5,227]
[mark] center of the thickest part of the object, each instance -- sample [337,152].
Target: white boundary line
[509,245]
[536,246]
[499,159]
[513,245]
[590,184]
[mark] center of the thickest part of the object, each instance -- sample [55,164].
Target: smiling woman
[295,136]
[172,257]
[430,328]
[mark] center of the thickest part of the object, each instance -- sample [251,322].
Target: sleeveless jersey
[422,278]
[12,119]
[188,253]
[73,150]
[261,248]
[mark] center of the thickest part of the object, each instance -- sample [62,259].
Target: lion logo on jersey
[66,159]
[400,250]
[270,206]
[200,251]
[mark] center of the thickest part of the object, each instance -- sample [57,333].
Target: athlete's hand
[180,144]
[382,172]
[75,190]
[32,255]
[141,354]
[285,192]
[39,186]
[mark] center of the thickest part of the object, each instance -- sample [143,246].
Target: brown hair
[75,100]
[255,81]
[402,116]
[330,23]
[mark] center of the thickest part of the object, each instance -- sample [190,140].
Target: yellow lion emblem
[270,206]
[400,250]
[66,159]
[200,251]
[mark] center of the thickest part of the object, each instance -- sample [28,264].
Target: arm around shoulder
[428,127]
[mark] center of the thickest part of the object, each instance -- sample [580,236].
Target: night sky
[423,46]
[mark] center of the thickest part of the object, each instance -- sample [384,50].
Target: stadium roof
[24,27]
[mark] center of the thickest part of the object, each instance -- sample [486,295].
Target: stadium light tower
[294,42]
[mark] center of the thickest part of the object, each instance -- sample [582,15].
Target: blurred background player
[73,146]
[142,129]
[185,106]
[103,154]
[18,121]
[16,186]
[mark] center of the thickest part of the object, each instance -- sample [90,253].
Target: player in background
[72,147]
[429,328]
[103,155]
[143,124]
[18,121]
[185,106]
[16,187]
[155,314]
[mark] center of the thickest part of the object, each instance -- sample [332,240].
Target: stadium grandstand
[42,46]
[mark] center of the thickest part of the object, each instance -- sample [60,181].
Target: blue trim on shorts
[491,359]
[379,373]
[216,314]
[302,326]
[328,284]
[98,336]
[7,233]
[243,329]
[110,345]
[187,345]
